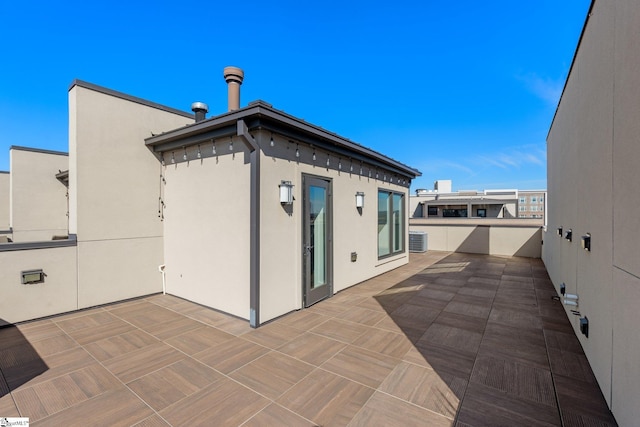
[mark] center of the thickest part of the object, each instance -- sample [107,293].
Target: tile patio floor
[449,339]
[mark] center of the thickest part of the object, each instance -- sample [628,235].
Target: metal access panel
[418,241]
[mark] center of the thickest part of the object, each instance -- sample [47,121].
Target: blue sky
[461,90]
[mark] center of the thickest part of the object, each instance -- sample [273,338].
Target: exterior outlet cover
[354,256]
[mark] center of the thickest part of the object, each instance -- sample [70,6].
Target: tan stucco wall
[486,236]
[281,239]
[207,228]
[57,294]
[114,192]
[38,200]
[592,178]
[4,201]
[207,236]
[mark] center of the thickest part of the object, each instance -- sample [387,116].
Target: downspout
[254,208]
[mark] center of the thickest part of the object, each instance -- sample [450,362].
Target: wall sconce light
[584,326]
[271,143]
[359,200]
[569,235]
[559,231]
[286,192]
[586,242]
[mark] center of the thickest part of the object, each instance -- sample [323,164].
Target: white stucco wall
[281,240]
[592,178]
[207,228]
[114,192]
[4,200]
[207,220]
[508,237]
[38,208]
[58,293]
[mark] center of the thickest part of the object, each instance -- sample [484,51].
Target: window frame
[393,235]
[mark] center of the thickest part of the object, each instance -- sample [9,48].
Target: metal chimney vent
[200,109]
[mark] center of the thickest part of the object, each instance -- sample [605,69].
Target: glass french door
[316,244]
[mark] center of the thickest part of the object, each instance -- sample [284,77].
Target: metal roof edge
[573,61]
[261,108]
[126,97]
[38,150]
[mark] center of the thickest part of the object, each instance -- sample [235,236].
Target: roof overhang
[262,116]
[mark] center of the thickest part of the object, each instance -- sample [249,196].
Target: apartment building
[531,203]
[591,249]
[442,202]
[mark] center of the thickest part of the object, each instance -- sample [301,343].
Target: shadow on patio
[491,345]
[448,339]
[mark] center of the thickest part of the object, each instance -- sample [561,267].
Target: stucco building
[591,248]
[442,202]
[253,212]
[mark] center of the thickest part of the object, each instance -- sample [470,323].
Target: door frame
[309,300]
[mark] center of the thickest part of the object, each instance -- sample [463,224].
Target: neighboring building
[441,202]
[4,202]
[38,200]
[592,248]
[531,203]
[253,212]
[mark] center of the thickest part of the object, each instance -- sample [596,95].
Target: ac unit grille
[418,241]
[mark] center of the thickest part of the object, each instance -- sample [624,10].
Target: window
[454,213]
[541,199]
[522,208]
[433,211]
[391,223]
[534,199]
[482,213]
[534,208]
[523,199]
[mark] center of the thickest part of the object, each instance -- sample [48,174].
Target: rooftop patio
[449,339]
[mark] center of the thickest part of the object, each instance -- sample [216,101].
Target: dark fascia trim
[260,115]
[573,62]
[126,97]
[38,150]
[7,172]
[47,244]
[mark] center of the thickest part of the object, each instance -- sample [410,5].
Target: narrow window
[391,223]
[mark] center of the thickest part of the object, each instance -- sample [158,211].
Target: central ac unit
[418,241]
